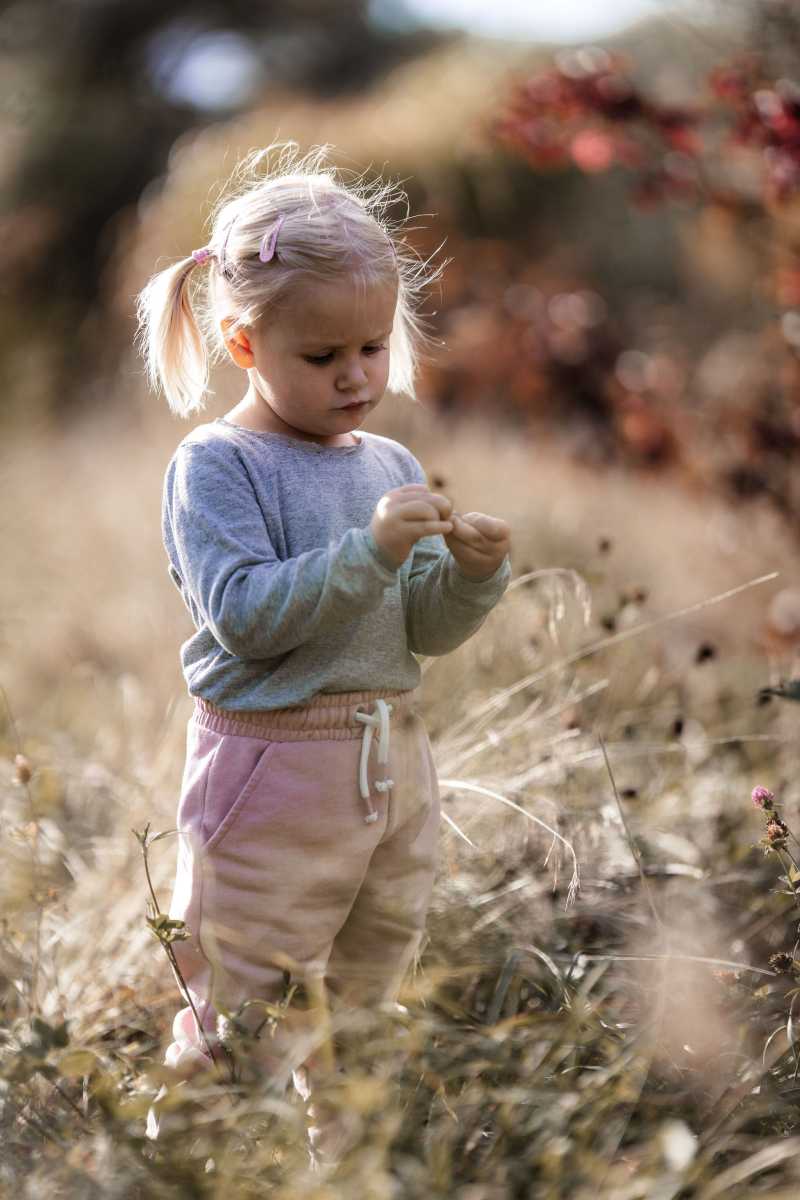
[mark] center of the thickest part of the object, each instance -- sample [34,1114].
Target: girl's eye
[321,359]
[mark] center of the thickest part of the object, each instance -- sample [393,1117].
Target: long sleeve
[445,606]
[256,605]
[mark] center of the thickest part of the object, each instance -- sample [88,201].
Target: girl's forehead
[331,310]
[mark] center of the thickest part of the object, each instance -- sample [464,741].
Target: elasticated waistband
[327,716]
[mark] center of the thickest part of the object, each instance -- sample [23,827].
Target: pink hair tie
[202,254]
[269,240]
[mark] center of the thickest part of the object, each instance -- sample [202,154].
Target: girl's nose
[352,375]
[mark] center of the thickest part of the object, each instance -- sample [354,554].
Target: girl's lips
[359,404]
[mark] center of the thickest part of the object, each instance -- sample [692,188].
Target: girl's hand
[405,515]
[478,543]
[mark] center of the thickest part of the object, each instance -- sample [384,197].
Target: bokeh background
[614,371]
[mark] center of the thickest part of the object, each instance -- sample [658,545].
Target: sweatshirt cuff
[377,552]
[501,575]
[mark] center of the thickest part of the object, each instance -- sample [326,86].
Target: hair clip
[269,240]
[202,254]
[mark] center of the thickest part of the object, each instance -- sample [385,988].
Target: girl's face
[320,364]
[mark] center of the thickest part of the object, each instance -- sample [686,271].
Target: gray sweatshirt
[269,542]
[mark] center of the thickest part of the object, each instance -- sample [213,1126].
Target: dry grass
[546,1052]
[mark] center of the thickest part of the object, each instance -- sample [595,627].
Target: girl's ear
[238,344]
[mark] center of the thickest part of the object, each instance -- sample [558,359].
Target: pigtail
[171,339]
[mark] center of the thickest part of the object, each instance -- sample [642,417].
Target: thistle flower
[783,962]
[762,797]
[777,830]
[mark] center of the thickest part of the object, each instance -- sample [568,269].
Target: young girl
[315,563]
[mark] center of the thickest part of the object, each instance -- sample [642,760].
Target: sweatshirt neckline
[299,443]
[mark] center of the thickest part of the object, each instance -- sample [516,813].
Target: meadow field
[597,1010]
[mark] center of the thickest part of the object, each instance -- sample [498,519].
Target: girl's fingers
[424,510]
[421,487]
[426,521]
[466,531]
[491,527]
[475,529]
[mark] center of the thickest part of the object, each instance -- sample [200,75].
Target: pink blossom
[762,797]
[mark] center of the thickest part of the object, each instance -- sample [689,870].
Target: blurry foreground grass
[630,1041]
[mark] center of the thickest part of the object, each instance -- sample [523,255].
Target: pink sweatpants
[305,835]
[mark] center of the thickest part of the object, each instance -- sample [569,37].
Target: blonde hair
[329,229]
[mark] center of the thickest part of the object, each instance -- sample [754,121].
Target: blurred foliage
[664,379]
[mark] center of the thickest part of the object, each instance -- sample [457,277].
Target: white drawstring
[373,721]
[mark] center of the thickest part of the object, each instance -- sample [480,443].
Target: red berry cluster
[587,110]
